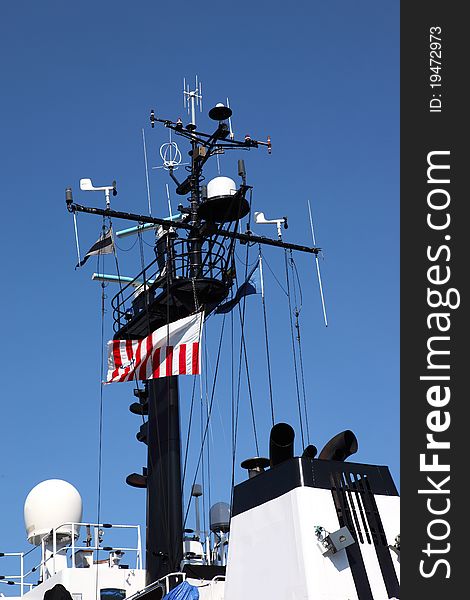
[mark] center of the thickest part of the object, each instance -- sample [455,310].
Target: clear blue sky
[78,81]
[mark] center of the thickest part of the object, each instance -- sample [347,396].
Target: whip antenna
[169,202]
[232,135]
[146,172]
[320,285]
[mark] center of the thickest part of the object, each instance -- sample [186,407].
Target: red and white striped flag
[170,350]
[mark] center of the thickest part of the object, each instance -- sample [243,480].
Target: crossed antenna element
[87,186]
[192,98]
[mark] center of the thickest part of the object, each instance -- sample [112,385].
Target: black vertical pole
[164,502]
[164,497]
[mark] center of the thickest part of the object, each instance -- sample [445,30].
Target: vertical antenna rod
[146,172]
[320,285]
[192,98]
[170,213]
[232,136]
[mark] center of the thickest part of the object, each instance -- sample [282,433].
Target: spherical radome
[50,505]
[221,186]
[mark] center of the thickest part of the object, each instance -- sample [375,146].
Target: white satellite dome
[49,505]
[221,186]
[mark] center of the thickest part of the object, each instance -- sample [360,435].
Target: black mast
[164,499]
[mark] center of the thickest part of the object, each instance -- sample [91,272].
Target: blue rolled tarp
[183,591]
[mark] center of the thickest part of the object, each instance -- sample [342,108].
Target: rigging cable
[115,257]
[126,249]
[201,452]
[242,347]
[204,502]
[100,434]
[245,355]
[265,260]
[210,429]
[299,343]
[171,542]
[186,452]
[142,256]
[100,427]
[232,402]
[293,350]
[266,339]
[242,324]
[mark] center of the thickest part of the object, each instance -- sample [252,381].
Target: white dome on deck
[49,505]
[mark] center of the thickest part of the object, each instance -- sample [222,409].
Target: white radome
[49,505]
[221,186]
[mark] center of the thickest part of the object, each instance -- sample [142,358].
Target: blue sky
[79,80]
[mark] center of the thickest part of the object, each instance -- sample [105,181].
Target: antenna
[191,99]
[170,155]
[146,172]
[232,136]
[169,202]
[260,219]
[318,267]
[87,186]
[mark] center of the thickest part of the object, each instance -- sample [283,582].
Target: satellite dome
[219,517]
[221,186]
[224,203]
[48,506]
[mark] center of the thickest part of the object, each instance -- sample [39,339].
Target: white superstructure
[326,529]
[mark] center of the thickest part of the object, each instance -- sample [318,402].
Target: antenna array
[192,98]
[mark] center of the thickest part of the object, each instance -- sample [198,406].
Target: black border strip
[430,568]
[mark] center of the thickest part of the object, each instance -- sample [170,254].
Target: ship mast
[191,271]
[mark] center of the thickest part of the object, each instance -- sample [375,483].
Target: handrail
[163,583]
[178,265]
[11,579]
[47,564]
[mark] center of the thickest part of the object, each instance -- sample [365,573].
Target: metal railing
[53,546]
[179,262]
[16,579]
[166,584]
